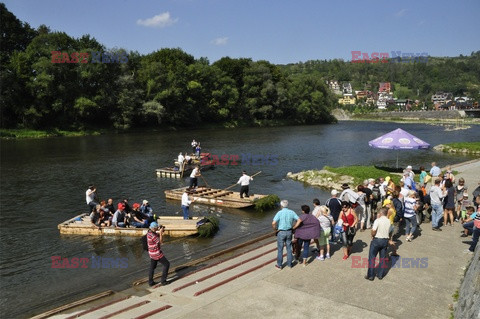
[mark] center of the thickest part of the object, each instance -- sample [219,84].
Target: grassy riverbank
[361,173]
[25,133]
[462,147]
[334,177]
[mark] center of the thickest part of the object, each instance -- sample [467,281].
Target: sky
[279,31]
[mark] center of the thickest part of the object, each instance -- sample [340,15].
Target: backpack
[144,242]
[398,208]
[376,192]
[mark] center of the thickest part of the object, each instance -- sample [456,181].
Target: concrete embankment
[447,116]
[245,283]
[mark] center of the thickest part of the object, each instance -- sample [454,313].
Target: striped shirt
[409,207]
[154,249]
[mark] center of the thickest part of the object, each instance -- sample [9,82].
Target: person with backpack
[335,206]
[154,242]
[376,197]
[398,206]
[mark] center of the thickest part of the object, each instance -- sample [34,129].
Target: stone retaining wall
[421,115]
[468,305]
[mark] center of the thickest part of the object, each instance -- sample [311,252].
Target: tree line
[170,88]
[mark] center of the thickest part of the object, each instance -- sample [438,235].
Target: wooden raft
[216,197]
[174,227]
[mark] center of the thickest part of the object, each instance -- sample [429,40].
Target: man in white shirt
[186,203]
[194,146]
[380,236]
[244,181]
[180,161]
[194,177]
[90,197]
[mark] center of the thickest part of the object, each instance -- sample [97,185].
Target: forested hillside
[170,88]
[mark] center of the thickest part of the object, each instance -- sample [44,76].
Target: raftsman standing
[244,180]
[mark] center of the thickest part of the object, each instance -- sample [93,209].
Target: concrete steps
[189,292]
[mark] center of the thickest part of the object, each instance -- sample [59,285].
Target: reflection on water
[44,183]
[244,225]
[187,251]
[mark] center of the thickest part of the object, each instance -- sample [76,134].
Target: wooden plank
[222,194]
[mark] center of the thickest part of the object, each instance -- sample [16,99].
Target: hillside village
[384,99]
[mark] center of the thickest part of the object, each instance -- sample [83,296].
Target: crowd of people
[388,209]
[103,213]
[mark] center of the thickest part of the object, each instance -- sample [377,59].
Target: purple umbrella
[398,139]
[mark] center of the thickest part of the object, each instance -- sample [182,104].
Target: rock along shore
[321,178]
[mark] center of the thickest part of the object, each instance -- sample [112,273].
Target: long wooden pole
[236,183]
[204,180]
[182,166]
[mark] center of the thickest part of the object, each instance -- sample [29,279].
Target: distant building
[335,87]
[347,88]
[367,96]
[441,98]
[361,94]
[461,99]
[347,99]
[383,98]
[384,87]
[403,104]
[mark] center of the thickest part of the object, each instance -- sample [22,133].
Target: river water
[43,183]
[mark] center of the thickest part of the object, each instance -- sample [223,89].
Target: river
[43,183]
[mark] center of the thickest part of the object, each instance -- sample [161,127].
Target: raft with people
[216,197]
[174,227]
[179,170]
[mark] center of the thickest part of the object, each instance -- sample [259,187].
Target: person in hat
[186,203]
[119,218]
[154,242]
[136,218]
[348,195]
[147,211]
[468,223]
[465,202]
[244,181]
[335,207]
[409,169]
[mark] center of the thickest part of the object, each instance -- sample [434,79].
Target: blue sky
[279,31]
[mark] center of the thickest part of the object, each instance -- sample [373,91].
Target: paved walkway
[247,285]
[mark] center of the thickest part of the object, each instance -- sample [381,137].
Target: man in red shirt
[154,241]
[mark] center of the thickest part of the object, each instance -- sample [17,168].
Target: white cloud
[401,13]
[159,21]
[220,41]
